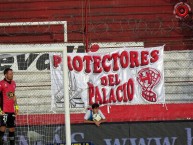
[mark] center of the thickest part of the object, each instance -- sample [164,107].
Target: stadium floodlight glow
[5,49]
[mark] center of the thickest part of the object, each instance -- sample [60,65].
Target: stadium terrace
[111,62]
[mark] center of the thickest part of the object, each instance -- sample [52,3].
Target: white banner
[126,76]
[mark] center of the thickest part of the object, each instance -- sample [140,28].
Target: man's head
[8,72]
[95,108]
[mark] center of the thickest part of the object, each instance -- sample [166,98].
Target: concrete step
[33,93]
[179,72]
[178,64]
[178,89]
[179,98]
[178,55]
[25,77]
[33,88]
[34,101]
[178,79]
[33,109]
[33,84]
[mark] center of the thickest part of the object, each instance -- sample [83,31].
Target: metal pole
[66,98]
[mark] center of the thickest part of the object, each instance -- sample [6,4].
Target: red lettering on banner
[104,96]
[104,81]
[124,59]
[69,63]
[112,96]
[87,59]
[97,68]
[106,67]
[124,92]
[125,97]
[91,93]
[118,91]
[117,80]
[98,98]
[111,79]
[130,89]
[77,63]
[57,60]
[134,59]
[115,61]
[144,59]
[154,55]
[112,61]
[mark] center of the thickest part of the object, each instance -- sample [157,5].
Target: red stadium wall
[151,22]
[119,114]
[148,21]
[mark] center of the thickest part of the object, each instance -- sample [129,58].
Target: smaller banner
[126,76]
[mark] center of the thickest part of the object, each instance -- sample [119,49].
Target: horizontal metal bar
[33,23]
[32,48]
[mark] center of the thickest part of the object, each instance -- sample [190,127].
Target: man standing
[8,106]
[95,115]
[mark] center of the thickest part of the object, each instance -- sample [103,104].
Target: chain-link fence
[177,66]
[177,63]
